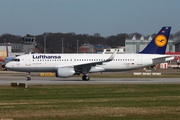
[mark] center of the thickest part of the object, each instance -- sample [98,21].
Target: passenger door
[139,60]
[28,61]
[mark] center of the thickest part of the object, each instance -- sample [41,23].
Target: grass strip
[91,102]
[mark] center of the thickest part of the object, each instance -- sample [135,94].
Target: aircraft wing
[80,64]
[89,64]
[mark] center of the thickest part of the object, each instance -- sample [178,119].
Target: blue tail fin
[158,43]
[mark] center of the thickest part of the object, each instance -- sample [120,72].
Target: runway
[7,79]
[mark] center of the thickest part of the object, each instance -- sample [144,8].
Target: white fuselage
[51,62]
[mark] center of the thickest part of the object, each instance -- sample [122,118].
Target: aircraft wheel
[86,78]
[28,78]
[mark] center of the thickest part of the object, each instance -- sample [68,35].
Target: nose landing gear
[28,76]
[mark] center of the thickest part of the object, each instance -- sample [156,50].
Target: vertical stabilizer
[158,43]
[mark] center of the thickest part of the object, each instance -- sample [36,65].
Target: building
[136,45]
[100,48]
[121,50]
[177,41]
[86,48]
[29,43]
[4,50]
[15,49]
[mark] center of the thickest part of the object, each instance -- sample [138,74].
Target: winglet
[158,43]
[112,56]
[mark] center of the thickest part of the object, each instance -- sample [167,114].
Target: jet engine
[65,72]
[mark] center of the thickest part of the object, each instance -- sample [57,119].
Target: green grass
[97,102]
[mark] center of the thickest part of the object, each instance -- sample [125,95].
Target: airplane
[68,65]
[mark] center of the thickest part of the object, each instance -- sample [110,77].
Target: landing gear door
[28,61]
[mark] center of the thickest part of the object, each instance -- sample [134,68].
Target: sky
[106,17]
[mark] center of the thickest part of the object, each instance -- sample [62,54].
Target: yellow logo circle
[160,40]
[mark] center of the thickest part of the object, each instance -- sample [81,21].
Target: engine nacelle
[65,72]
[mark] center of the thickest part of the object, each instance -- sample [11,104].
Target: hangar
[135,45]
[177,41]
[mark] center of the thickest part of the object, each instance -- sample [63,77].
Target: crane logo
[160,40]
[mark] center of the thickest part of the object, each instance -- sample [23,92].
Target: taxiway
[7,79]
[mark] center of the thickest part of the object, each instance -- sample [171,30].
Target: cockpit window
[16,59]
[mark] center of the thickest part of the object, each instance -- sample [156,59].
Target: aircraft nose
[7,65]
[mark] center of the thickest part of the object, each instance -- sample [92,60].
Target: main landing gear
[85,78]
[28,76]
[85,71]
